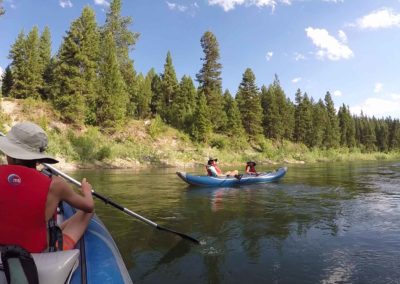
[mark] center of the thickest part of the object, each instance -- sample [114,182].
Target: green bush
[90,146]
[103,153]
[4,119]
[265,145]
[156,127]
[29,104]
[219,143]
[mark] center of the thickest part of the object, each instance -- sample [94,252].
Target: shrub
[103,153]
[90,145]
[156,127]
[219,143]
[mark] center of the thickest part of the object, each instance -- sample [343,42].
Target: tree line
[92,80]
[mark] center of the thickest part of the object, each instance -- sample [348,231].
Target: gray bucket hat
[26,141]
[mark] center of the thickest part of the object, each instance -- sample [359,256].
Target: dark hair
[26,163]
[251,163]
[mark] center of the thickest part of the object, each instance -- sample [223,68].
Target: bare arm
[64,192]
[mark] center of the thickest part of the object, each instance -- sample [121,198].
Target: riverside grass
[171,148]
[152,142]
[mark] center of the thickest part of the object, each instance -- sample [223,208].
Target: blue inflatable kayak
[232,181]
[99,258]
[95,259]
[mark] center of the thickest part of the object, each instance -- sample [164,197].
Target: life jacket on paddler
[212,163]
[251,167]
[23,196]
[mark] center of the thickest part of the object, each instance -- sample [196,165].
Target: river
[322,223]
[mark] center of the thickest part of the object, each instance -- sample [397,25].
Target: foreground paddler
[29,199]
[34,154]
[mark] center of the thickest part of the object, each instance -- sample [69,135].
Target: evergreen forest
[91,81]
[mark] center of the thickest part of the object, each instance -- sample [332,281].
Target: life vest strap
[18,265]
[55,236]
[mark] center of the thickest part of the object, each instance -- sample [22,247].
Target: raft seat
[53,267]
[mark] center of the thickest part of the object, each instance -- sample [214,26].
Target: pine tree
[156,99]
[132,89]
[332,135]
[125,41]
[112,98]
[347,127]
[366,133]
[145,94]
[18,66]
[7,82]
[118,26]
[235,127]
[45,67]
[274,104]
[75,71]
[299,126]
[303,119]
[249,103]
[25,66]
[33,81]
[210,82]
[382,135]
[184,105]
[319,121]
[394,134]
[289,120]
[169,89]
[201,127]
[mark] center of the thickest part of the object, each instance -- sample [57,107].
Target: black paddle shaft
[119,207]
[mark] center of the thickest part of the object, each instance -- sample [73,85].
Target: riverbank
[151,143]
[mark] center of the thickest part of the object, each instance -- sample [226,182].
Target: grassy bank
[153,143]
[169,147]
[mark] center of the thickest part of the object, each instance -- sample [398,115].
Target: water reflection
[324,223]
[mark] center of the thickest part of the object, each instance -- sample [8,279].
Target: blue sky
[348,47]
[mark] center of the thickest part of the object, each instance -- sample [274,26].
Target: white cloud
[269,55]
[191,9]
[65,3]
[230,4]
[342,36]
[383,18]
[379,107]
[177,7]
[102,2]
[299,56]
[378,87]
[328,45]
[296,80]
[337,93]
[1,71]
[334,1]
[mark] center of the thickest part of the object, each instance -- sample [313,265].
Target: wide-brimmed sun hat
[251,163]
[211,160]
[26,141]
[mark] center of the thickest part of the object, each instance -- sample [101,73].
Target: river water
[322,223]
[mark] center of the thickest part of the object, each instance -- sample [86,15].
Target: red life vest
[23,195]
[250,169]
[216,168]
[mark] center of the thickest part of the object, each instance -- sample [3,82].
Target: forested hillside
[91,83]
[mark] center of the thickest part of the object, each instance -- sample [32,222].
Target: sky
[350,48]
